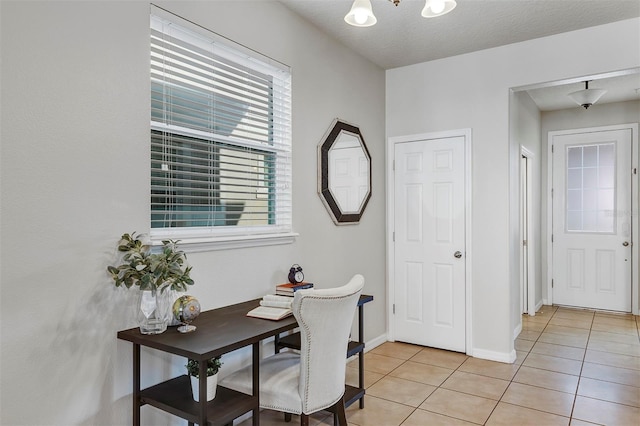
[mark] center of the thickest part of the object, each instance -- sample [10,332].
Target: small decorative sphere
[186,308]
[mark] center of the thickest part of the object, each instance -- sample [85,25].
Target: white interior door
[591,239]
[429,248]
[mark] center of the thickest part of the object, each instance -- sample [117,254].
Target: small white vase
[212,385]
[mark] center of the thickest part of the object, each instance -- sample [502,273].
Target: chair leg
[304,419]
[339,413]
[287,417]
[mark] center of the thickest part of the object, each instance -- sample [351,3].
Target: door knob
[457,255]
[626,243]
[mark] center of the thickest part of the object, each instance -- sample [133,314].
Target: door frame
[390,206]
[635,300]
[531,246]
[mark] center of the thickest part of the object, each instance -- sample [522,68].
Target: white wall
[472,91]
[75,176]
[577,118]
[525,133]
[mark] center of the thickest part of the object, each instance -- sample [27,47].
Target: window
[220,138]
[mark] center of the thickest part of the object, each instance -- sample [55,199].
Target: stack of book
[275,301]
[288,289]
[278,306]
[272,307]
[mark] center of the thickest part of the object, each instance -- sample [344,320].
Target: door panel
[429,230]
[591,220]
[445,289]
[414,298]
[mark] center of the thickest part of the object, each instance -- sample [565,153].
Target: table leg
[136,384]
[361,354]
[202,398]
[255,349]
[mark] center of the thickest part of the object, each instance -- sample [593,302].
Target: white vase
[212,385]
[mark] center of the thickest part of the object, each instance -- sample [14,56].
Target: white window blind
[220,136]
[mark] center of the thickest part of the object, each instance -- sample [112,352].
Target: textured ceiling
[619,86]
[403,37]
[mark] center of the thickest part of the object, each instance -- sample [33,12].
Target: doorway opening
[528,248]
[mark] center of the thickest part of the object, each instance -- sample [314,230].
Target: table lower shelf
[352,394]
[174,396]
[293,341]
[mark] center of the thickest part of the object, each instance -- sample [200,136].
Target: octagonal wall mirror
[344,173]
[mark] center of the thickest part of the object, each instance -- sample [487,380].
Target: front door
[591,238]
[429,249]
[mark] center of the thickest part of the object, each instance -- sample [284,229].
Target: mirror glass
[344,183]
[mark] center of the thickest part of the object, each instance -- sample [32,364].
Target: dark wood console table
[219,331]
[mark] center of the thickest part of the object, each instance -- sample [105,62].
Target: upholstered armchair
[314,379]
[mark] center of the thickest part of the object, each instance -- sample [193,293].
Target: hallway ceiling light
[361,13]
[587,97]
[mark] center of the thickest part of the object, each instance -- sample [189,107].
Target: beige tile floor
[573,367]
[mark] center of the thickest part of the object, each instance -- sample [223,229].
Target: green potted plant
[193,369]
[152,272]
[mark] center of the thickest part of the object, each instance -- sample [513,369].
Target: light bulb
[360,16]
[437,6]
[434,8]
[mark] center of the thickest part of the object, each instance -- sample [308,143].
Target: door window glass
[590,188]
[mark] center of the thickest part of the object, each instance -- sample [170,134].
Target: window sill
[227,242]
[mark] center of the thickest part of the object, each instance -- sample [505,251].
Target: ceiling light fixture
[361,13]
[435,8]
[587,97]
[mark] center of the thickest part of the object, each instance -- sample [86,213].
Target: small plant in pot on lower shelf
[193,369]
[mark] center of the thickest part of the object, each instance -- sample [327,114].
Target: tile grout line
[516,372]
[457,369]
[584,357]
[522,364]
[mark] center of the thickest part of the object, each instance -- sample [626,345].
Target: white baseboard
[506,357]
[371,344]
[539,305]
[375,342]
[517,331]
